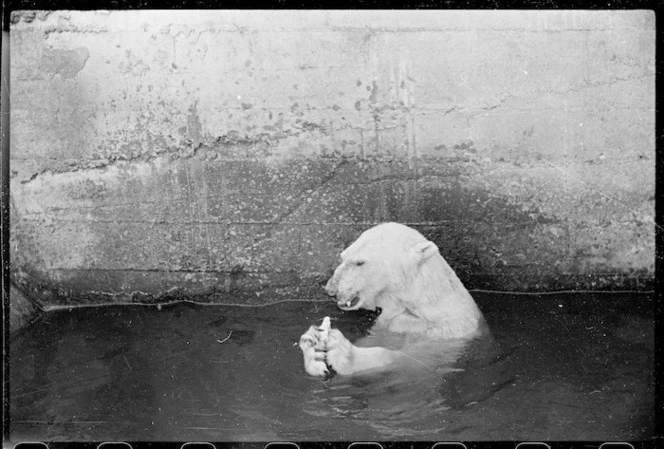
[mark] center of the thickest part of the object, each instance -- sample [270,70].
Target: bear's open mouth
[349,304]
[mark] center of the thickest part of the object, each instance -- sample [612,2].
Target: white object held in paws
[325,329]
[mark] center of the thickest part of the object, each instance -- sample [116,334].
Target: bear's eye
[359,263]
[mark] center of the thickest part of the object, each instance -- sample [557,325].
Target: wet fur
[394,268]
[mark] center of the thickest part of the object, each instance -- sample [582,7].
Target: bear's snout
[331,287]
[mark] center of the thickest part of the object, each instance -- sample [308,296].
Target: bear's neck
[436,303]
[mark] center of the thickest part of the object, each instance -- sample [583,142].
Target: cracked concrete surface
[232,155]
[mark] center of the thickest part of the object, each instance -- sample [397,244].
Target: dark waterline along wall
[231,155]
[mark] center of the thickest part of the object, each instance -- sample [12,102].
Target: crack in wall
[198,147]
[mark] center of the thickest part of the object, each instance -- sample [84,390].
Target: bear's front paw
[313,349]
[340,352]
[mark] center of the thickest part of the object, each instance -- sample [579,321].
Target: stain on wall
[21,310]
[66,63]
[232,155]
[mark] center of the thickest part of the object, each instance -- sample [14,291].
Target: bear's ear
[425,250]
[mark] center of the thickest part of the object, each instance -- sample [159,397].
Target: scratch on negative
[229,336]
[127,362]
[416,360]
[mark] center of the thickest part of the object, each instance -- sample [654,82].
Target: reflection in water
[389,403]
[554,366]
[413,400]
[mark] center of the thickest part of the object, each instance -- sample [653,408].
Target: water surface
[563,367]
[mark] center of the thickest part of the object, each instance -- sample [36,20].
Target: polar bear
[424,307]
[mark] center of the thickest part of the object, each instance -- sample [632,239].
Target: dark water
[563,367]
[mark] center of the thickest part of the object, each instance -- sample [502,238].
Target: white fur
[394,267]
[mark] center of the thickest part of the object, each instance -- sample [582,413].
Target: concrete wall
[231,155]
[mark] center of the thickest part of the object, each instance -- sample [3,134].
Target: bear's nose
[330,287]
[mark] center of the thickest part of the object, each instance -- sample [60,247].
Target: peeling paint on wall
[66,63]
[227,159]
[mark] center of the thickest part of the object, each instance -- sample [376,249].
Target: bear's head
[381,263]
